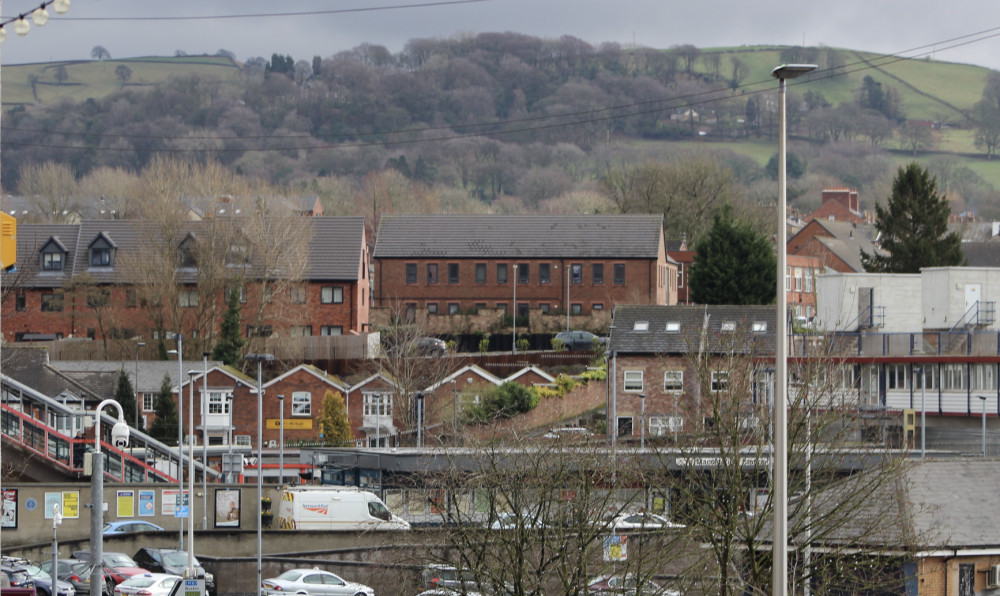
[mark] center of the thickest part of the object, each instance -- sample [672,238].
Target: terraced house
[451,264]
[124,279]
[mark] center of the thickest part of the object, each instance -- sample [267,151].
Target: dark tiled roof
[335,247]
[981,254]
[712,329]
[30,366]
[520,236]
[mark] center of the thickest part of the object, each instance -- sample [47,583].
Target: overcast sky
[171,25]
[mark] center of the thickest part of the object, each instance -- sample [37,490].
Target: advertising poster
[71,504]
[227,508]
[126,503]
[147,503]
[168,502]
[51,500]
[9,519]
[616,548]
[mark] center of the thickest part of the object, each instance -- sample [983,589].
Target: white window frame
[759,327]
[633,377]
[217,402]
[640,326]
[983,377]
[377,404]
[673,381]
[728,326]
[148,401]
[242,440]
[301,403]
[659,426]
[673,327]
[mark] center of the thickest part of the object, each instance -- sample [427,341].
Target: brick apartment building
[450,264]
[653,360]
[73,281]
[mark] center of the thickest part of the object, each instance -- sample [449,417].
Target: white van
[329,508]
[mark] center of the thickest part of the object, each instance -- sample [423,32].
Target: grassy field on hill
[93,79]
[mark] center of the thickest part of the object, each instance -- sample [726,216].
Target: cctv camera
[119,435]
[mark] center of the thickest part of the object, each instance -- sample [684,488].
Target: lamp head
[792,71]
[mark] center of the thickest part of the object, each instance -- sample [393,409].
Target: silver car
[314,582]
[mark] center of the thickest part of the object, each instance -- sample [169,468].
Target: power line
[582,117]
[271,15]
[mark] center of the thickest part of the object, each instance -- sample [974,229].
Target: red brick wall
[76,318]
[645,283]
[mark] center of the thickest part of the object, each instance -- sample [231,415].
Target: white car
[148,584]
[642,521]
[508,521]
[314,582]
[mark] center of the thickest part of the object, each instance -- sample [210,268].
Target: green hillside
[93,79]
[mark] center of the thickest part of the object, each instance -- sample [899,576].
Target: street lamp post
[983,399]
[420,419]
[779,570]
[119,435]
[180,435]
[514,344]
[454,405]
[190,548]
[229,412]
[281,439]
[136,388]
[923,409]
[56,521]
[642,440]
[204,442]
[260,359]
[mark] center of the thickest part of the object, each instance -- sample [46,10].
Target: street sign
[181,510]
[194,587]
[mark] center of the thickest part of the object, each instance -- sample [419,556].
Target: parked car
[508,520]
[7,590]
[452,580]
[129,527]
[120,565]
[173,561]
[445,592]
[629,585]
[78,574]
[567,432]
[314,582]
[579,340]
[642,521]
[431,346]
[42,582]
[148,584]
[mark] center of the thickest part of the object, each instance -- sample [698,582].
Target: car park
[579,340]
[148,584]
[314,582]
[173,561]
[129,527]
[508,520]
[642,521]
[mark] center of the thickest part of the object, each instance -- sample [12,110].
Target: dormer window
[640,326]
[238,254]
[759,326]
[52,261]
[102,251]
[53,255]
[728,326]
[186,253]
[673,327]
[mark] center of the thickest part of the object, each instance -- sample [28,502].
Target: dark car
[77,573]
[431,346]
[171,560]
[579,340]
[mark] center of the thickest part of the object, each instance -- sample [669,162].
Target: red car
[119,565]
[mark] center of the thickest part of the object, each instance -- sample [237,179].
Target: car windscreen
[177,559]
[139,581]
[119,560]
